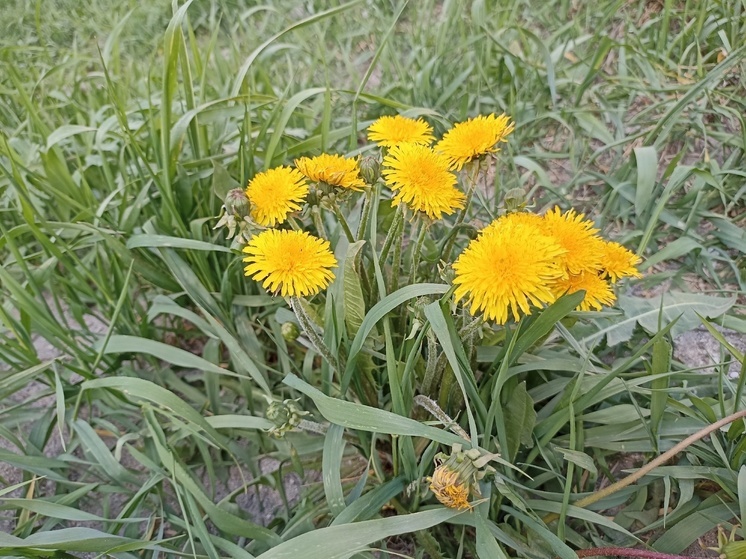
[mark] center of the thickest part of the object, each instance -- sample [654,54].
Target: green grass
[118,123]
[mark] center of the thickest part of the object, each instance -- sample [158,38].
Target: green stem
[310,331]
[432,364]
[343,223]
[424,226]
[396,265]
[398,218]
[472,180]
[435,410]
[365,216]
[318,222]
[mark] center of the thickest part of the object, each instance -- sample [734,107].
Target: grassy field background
[119,122]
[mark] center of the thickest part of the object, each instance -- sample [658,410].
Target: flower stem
[318,222]
[472,180]
[398,218]
[310,331]
[344,224]
[396,265]
[365,216]
[647,468]
[424,226]
[431,406]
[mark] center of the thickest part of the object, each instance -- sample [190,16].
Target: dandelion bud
[370,169]
[290,331]
[237,203]
[285,415]
[515,200]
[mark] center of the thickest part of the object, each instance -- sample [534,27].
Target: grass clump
[171,392]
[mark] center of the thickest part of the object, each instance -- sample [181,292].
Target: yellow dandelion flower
[618,262]
[448,488]
[578,237]
[420,178]
[274,194]
[334,170]
[390,131]
[474,138]
[598,291]
[289,263]
[508,267]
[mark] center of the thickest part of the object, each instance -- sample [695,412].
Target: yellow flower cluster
[519,262]
[523,261]
[293,263]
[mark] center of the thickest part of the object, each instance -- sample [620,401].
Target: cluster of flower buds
[286,416]
[235,216]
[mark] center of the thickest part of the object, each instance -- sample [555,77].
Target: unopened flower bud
[285,415]
[515,200]
[237,203]
[290,331]
[370,169]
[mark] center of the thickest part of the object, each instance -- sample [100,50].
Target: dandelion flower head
[449,489]
[390,131]
[618,262]
[474,138]
[509,267]
[420,179]
[598,291]
[583,248]
[289,263]
[334,170]
[274,194]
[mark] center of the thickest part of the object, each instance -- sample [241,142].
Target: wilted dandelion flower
[276,193]
[584,249]
[449,488]
[474,138]
[510,266]
[598,291]
[390,131]
[334,170]
[618,262]
[420,178]
[289,263]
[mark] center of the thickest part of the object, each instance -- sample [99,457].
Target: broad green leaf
[365,418]
[331,466]
[676,249]
[520,419]
[353,292]
[578,458]
[343,541]
[145,390]
[661,364]
[645,312]
[222,182]
[165,352]
[647,169]
[144,240]
[377,312]
[707,517]
[56,510]
[84,540]
[66,131]
[245,422]
[371,503]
